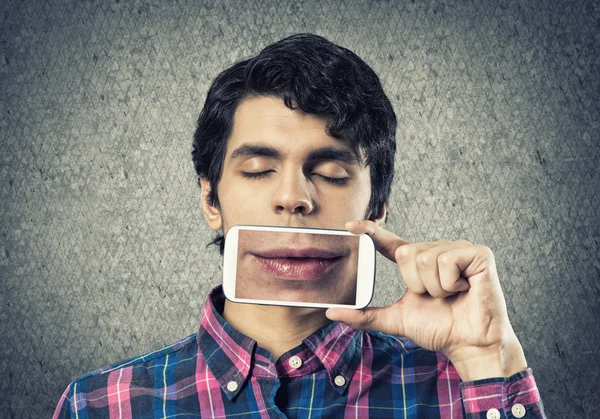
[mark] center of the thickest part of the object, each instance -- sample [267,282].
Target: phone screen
[297,267]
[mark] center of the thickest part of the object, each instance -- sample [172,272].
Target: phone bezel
[365,271]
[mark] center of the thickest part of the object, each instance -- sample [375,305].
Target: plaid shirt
[336,372]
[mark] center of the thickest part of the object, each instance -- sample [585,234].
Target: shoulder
[150,359]
[141,369]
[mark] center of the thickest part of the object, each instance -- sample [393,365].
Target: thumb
[370,318]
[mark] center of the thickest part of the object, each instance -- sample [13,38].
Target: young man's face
[282,169]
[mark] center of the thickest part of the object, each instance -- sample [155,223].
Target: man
[303,135]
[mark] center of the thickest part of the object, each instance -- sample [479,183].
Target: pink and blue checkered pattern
[382,377]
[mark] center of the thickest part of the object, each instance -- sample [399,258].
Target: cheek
[362,191]
[240,204]
[335,211]
[351,203]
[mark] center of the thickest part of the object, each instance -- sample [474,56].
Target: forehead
[268,121]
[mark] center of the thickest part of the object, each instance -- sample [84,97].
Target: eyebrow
[247,150]
[325,153]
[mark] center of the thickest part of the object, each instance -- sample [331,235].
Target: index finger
[385,241]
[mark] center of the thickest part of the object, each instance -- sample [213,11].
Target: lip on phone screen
[292,266]
[305,269]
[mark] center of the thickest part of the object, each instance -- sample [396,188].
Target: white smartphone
[299,267]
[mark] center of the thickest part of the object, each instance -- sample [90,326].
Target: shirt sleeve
[497,398]
[63,409]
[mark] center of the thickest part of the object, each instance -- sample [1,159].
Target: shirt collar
[338,347]
[230,355]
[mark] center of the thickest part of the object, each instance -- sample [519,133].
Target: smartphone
[299,267]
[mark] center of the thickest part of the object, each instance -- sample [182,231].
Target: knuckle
[404,252]
[464,242]
[484,249]
[425,259]
[444,259]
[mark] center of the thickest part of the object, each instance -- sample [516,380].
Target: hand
[453,304]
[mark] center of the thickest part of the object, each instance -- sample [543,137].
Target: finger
[428,264]
[370,318]
[449,268]
[385,241]
[475,262]
[406,258]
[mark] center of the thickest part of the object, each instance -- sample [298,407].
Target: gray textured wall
[102,242]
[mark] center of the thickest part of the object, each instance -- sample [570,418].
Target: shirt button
[493,414]
[232,386]
[295,362]
[518,410]
[339,381]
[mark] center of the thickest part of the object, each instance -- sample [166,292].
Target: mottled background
[102,241]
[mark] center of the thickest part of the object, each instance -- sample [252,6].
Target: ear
[212,214]
[381,217]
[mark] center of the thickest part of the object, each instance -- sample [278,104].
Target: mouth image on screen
[297,267]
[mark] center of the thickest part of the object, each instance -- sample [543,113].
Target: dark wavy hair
[319,77]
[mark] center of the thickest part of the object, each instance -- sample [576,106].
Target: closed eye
[266,173]
[257,175]
[333,180]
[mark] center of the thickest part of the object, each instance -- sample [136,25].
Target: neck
[275,328]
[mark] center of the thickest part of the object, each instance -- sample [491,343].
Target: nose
[292,195]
